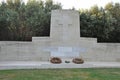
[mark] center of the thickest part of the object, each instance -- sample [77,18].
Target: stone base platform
[48,65]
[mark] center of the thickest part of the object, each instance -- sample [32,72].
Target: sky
[85,4]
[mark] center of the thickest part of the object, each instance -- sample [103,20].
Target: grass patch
[61,74]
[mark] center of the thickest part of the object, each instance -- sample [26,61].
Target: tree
[114,11]
[101,23]
[3,22]
[20,21]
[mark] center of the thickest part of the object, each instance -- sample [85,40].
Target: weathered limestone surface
[22,51]
[64,42]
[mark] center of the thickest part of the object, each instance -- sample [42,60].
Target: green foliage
[101,23]
[20,21]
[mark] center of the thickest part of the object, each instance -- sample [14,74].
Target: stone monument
[64,42]
[65,25]
[65,33]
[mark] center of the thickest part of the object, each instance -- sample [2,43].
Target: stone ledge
[48,65]
[36,39]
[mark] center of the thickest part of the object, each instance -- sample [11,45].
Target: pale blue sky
[78,4]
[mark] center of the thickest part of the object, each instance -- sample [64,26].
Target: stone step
[48,65]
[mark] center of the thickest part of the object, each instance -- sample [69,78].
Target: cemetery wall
[22,51]
[65,33]
[32,51]
[103,52]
